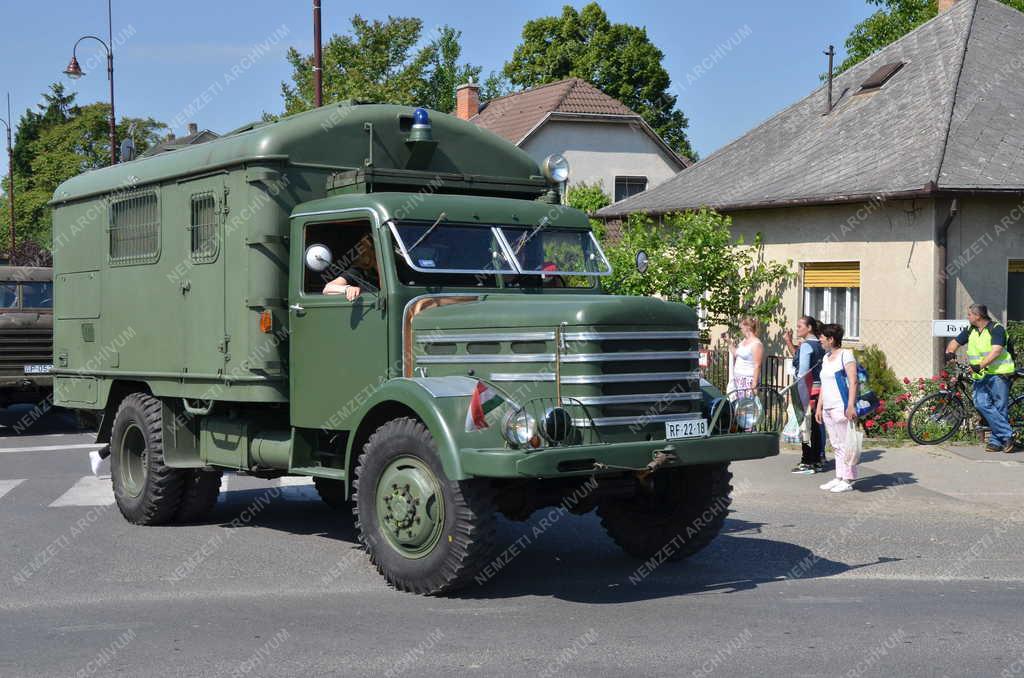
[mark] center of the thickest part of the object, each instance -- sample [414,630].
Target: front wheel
[676,516]
[935,419]
[424,533]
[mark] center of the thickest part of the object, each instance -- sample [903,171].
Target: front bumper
[579,460]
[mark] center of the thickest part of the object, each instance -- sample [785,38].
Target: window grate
[203,235]
[135,229]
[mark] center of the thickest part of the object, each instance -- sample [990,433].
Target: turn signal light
[266,322]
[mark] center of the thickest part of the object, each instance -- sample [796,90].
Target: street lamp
[74,71]
[10,173]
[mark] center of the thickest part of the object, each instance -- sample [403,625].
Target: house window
[135,229]
[203,229]
[832,294]
[629,186]
[1015,290]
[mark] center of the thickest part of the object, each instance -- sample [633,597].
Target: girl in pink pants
[832,410]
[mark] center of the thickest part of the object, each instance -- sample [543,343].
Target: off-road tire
[683,513]
[161,488]
[199,495]
[468,529]
[332,492]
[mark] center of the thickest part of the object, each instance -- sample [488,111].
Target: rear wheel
[199,495]
[424,533]
[147,491]
[677,515]
[935,419]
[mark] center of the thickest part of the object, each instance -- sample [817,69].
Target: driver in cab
[361,272]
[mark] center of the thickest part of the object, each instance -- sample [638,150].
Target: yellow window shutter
[832,274]
[1016,266]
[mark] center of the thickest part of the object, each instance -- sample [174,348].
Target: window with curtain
[832,293]
[1015,290]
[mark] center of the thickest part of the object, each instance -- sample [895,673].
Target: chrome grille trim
[668,397]
[627,421]
[549,336]
[550,357]
[595,378]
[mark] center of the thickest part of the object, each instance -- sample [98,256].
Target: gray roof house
[901,203]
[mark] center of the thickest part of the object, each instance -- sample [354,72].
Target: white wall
[598,152]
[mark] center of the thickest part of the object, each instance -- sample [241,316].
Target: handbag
[792,433]
[867,401]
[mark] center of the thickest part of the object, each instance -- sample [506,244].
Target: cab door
[338,348]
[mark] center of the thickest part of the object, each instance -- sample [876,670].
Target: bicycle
[939,416]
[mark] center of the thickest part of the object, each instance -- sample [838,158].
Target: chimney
[193,128]
[467,100]
[946,5]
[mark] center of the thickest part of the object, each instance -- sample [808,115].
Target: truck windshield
[518,251]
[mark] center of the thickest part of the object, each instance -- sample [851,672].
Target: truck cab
[26,334]
[398,305]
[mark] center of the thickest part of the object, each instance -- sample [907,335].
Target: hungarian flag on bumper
[483,401]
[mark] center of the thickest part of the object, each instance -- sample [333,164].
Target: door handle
[298,308]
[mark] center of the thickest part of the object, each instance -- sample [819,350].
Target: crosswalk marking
[8,485]
[88,491]
[52,448]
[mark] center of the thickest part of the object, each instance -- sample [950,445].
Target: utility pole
[10,175]
[318,59]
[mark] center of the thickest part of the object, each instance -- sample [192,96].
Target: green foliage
[587,197]
[56,143]
[694,259]
[619,59]
[882,379]
[895,19]
[380,62]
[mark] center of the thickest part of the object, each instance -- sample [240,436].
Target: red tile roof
[513,116]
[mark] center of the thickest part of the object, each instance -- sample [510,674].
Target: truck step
[318,472]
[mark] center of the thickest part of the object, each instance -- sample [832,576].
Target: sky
[220,63]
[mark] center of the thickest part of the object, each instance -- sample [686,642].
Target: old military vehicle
[481,369]
[26,334]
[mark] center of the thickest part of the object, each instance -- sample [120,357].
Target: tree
[889,24]
[618,59]
[587,197]
[380,62]
[694,259]
[55,143]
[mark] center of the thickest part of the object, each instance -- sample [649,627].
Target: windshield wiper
[526,237]
[440,217]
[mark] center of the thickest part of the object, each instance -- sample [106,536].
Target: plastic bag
[791,433]
[854,444]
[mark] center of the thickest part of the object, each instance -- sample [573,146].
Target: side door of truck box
[200,271]
[338,348]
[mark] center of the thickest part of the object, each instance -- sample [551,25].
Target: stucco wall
[983,237]
[894,243]
[601,151]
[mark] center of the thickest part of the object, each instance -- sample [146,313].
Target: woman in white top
[832,410]
[747,357]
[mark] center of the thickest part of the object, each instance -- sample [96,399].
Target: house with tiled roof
[604,141]
[898,196]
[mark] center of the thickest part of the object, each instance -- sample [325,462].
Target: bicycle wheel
[935,419]
[1016,412]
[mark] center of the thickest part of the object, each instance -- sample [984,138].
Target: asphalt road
[904,577]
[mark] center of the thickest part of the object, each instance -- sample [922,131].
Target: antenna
[831,53]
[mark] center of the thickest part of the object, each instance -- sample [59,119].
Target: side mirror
[318,258]
[642,261]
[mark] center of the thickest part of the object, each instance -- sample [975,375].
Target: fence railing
[773,371]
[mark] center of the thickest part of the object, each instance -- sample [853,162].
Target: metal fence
[773,371]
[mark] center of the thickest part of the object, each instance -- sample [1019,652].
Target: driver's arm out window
[351,246]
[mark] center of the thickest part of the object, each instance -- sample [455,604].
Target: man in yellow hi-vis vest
[993,365]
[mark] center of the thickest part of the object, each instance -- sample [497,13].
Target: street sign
[948,328]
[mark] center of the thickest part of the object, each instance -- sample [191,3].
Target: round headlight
[556,168]
[520,428]
[748,413]
[557,424]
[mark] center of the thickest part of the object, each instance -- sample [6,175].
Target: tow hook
[660,458]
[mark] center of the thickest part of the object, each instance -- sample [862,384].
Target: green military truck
[26,334]
[479,370]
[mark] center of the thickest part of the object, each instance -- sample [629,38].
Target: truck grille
[20,347]
[622,377]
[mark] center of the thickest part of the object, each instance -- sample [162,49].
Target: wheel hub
[410,508]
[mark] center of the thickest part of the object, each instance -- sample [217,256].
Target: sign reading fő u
[948,328]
